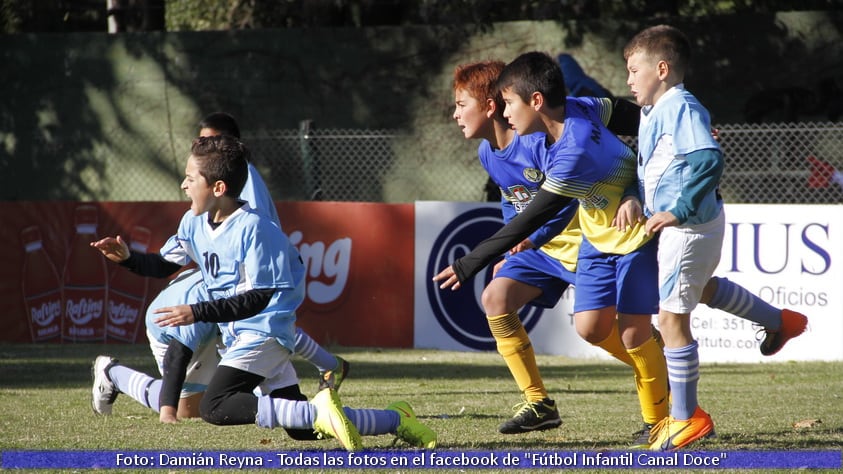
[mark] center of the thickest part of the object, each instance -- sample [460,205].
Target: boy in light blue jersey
[255,282]
[679,168]
[187,355]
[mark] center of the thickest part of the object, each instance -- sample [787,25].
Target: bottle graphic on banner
[127,294]
[41,288]
[85,282]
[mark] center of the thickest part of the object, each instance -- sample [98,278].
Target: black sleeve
[625,118]
[150,264]
[543,207]
[175,363]
[238,307]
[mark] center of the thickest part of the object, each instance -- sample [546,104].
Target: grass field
[45,393]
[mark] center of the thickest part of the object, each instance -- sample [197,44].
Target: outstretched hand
[449,277]
[114,248]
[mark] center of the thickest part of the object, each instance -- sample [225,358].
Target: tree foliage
[198,15]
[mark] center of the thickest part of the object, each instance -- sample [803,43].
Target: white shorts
[264,356]
[199,371]
[688,256]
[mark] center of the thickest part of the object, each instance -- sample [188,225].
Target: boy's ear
[491,108]
[536,100]
[663,69]
[219,188]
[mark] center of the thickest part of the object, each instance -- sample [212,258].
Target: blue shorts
[536,268]
[629,282]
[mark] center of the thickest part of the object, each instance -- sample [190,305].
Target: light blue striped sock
[683,372]
[735,299]
[310,350]
[139,386]
[283,413]
[373,422]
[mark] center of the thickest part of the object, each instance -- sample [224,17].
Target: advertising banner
[785,254]
[789,256]
[56,288]
[359,270]
[455,320]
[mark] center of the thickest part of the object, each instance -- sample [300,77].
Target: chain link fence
[765,163]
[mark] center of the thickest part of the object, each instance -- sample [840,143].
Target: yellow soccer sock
[651,380]
[614,346]
[517,351]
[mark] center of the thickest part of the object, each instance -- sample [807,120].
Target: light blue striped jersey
[246,251]
[672,128]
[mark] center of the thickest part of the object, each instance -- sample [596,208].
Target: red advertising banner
[359,259]
[55,288]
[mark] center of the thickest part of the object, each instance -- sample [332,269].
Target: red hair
[480,80]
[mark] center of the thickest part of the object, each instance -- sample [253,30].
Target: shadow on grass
[69,365]
[786,439]
[60,366]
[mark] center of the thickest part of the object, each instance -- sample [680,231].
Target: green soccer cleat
[332,422]
[410,429]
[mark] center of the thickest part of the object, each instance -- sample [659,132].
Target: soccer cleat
[670,434]
[532,416]
[410,429]
[793,324]
[334,378]
[332,422]
[104,392]
[641,438]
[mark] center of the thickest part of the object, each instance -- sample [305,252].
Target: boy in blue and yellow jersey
[529,274]
[583,163]
[537,270]
[679,168]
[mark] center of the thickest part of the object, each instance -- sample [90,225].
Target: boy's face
[470,113]
[522,117]
[643,79]
[196,188]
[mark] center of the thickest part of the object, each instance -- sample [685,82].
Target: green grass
[45,401]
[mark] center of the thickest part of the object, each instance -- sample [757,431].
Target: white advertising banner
[790,256]
[454,320]
[785,254]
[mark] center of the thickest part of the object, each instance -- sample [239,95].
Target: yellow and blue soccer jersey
[591,164]
[246,251]
[517,171]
